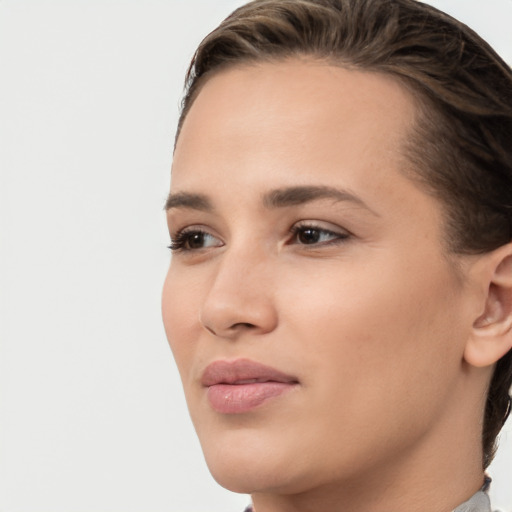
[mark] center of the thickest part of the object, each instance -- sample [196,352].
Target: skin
[374,318]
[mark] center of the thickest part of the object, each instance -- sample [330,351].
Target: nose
[240,297]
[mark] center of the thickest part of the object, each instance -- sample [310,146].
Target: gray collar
[479,502]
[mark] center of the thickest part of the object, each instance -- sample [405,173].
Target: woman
[339,301]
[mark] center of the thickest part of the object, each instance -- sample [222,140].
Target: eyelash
[179,242]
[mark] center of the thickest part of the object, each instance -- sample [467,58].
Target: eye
[193,240]
[310,234]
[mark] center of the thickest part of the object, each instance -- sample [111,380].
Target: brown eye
[316,235]
[308,236]
[194,240]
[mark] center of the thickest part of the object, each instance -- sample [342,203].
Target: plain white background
[92,417]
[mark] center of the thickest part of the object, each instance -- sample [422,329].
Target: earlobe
[491,336]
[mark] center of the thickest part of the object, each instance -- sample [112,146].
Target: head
[449,158]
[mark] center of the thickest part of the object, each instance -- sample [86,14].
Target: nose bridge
[240,294]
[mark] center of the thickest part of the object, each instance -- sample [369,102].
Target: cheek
[379,326]
[179,312]
[383,343]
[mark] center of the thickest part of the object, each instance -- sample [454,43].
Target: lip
[239,386]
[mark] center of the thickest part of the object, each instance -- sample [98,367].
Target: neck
[441,471]
[441,490]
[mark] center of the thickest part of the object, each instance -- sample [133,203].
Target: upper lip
[242,371]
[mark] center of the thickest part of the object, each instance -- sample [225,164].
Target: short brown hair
[462,146]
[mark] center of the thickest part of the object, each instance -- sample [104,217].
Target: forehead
[283,110]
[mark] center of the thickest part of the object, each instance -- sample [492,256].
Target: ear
[491,336]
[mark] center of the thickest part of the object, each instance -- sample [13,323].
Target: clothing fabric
[479,502]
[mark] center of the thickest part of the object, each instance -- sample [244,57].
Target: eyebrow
[187,200]
[279,198]
[292,196]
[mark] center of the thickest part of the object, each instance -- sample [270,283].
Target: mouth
[239,386]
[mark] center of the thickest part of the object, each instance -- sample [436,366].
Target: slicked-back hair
[461,146]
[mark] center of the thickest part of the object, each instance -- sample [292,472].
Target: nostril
[234,327]
[243,324]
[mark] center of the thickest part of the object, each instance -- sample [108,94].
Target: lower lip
[240,398]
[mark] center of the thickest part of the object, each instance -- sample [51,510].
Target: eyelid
[339,234]
[321,226]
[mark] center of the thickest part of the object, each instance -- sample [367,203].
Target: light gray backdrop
[92,417]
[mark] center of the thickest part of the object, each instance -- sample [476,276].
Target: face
[317,323]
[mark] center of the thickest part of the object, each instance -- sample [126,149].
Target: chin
[242,479]
[250,478]
[249,463]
